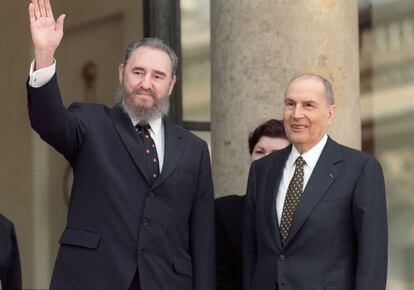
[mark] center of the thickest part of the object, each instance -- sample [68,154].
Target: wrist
[43,59]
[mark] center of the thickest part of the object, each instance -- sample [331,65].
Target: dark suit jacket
[229,238]
[116,222]
[338,239]
[10,273]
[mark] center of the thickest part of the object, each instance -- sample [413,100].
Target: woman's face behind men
[267,145]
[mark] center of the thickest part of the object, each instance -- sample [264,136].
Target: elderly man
[141,213]
[315,211]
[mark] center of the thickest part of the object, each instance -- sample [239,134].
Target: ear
[174,79]
[121,73]
[331,112]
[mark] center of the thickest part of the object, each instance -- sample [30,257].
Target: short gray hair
[154,43]
[327,87]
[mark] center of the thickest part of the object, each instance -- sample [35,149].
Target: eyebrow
[304,101]
[310,102]
[158,72]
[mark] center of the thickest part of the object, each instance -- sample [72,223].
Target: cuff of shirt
[40,77]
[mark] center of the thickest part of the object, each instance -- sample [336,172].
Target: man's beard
[140,112]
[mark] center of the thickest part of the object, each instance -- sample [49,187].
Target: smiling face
[306,112]
[146,78]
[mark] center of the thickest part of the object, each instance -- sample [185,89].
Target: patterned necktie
[150,151]
[292,199]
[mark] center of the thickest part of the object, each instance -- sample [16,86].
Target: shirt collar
[311,156]
[155,123]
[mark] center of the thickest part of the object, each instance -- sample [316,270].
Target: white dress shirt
[311,158]
[40,77]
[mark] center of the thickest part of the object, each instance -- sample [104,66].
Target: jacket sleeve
[370,221]
[62,128]
[202,230]
[13,279]
[249,232]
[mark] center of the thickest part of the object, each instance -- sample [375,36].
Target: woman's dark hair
[272,128]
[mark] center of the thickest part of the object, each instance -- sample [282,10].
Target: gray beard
[141,113]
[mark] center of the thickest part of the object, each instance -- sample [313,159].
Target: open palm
[46,32]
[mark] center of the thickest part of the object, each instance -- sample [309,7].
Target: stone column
[257,47]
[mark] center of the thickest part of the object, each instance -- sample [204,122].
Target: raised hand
[46,32]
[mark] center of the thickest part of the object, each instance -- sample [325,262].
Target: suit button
[141,251]
[151,194]
[282,257]
[145,222]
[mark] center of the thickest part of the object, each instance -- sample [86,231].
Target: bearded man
[141,212]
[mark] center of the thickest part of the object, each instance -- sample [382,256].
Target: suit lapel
[174,146]
[325,172]
[130,138]
[272,184]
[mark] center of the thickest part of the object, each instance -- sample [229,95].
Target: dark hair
[154,43]
[272,128]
